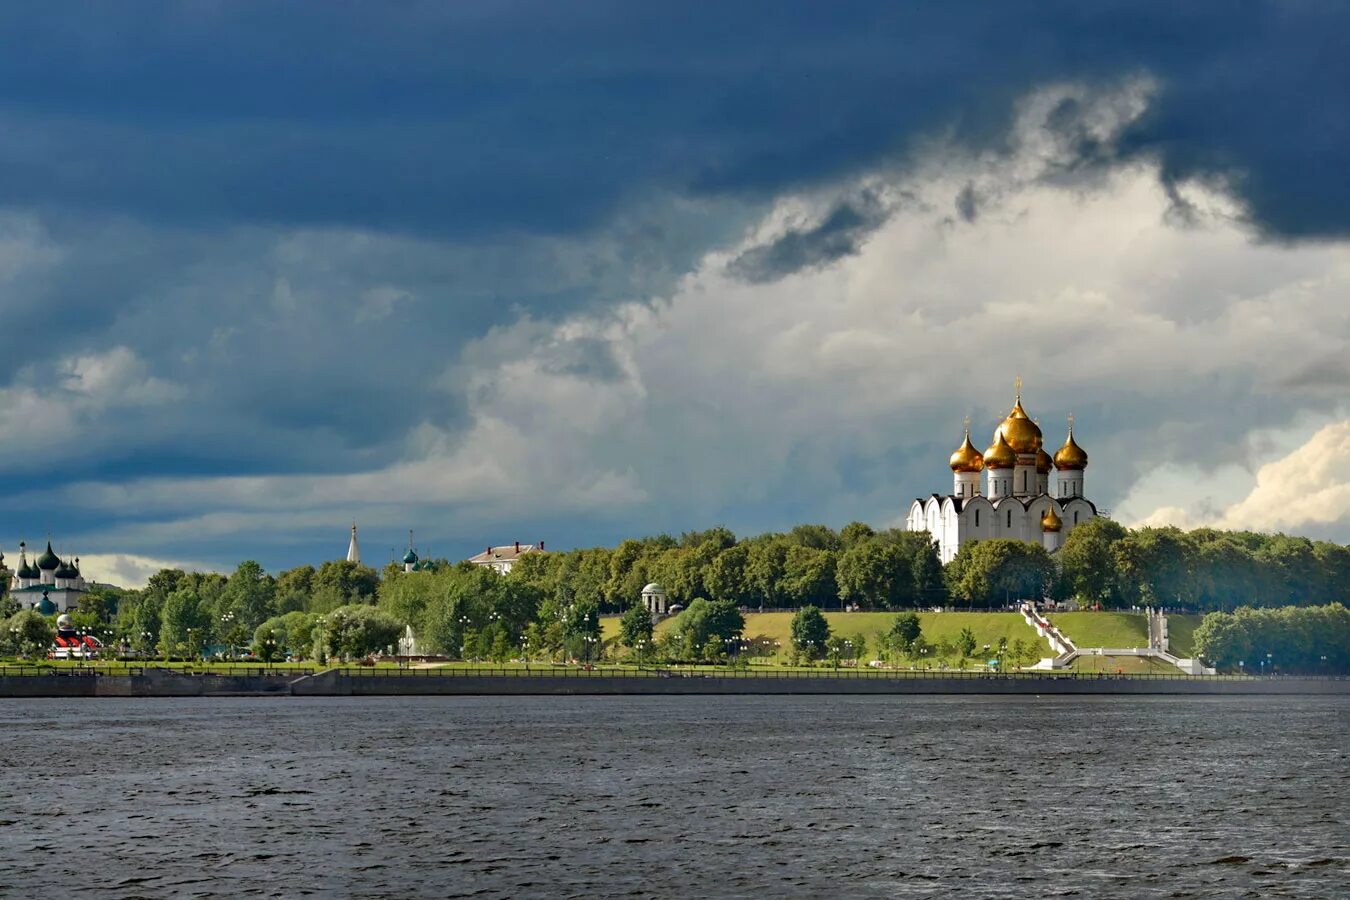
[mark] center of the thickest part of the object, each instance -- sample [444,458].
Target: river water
[1094,797]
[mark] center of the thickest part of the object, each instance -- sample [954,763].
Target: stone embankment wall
[334,683]
[153,683]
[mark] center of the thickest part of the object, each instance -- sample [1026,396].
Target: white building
[354,549]
[1017,499]
[503,559]
[49,584]
[655,599]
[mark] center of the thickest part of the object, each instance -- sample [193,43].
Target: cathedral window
[977,518]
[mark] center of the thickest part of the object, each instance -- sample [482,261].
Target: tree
[293,589]
[725,577]
[339,582]
[246,602]
[810,632]
[635,628]
[764,566]
[906,631]
[1154,566]
[185,625]
[874,576]
[808,576]
[356,630]
[965,642]
[291,634]
[705,628]
[30,633]
[996,571]
[1088,563]
[855,533]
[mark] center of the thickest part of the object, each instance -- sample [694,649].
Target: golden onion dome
[1050,521]
[1071,456]
[1022,434]
[999,455]
[966,458]
[1043,462]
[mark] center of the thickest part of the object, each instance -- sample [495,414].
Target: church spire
[353,549]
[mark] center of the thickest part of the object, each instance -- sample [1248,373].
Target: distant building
[655,599]
[503,559]
[49,584]
[353,549]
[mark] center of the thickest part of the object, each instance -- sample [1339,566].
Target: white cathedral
[1018,500]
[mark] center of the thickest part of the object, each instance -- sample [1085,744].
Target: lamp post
[463,626]
[1271,662]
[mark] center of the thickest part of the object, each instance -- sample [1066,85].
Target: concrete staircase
[1066,651]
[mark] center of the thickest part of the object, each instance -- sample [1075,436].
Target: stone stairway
[1066,651]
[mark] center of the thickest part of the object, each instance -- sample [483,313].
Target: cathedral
[1017,500]
[49,584]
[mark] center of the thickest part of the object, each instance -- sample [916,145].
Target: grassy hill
[1103,629]
[1121,629]
[937,627]
[1181,634]
[1086,629]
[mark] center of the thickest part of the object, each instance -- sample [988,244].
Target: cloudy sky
[530,271]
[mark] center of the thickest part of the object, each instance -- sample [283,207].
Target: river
[737,796]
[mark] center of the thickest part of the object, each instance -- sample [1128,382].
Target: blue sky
[526,271]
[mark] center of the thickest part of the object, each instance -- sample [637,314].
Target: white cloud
[53,403]
[116,376]
[840,388]
[129,570]
[1308,487]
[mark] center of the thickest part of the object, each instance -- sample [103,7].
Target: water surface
[676,797]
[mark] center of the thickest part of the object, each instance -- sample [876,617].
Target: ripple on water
[678,796]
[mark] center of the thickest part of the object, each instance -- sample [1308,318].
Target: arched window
[1010,518]
[977,518]
[1075,518]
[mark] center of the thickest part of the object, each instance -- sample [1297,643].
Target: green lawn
[1103,629]
[988,628]
[1121,629]
[1181,634]
[1128,665]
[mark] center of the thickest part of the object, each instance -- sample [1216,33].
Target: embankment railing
[767,673]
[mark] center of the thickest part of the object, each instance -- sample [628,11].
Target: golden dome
[999,455]
[1051,522]
[1071,456]
[1043,462]
[1022,434]
[966,458]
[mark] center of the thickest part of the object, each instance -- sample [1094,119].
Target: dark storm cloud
[467,119]
[298,214]
[840,234]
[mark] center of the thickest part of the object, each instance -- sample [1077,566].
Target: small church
[1006,491]
[49,584]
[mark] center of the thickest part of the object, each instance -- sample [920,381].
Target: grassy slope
[1103,629]
[1181,634]
[1087,629]
[987,627]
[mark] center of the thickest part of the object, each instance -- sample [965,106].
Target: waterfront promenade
[151,681]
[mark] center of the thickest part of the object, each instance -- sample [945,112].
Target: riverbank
[359,682]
